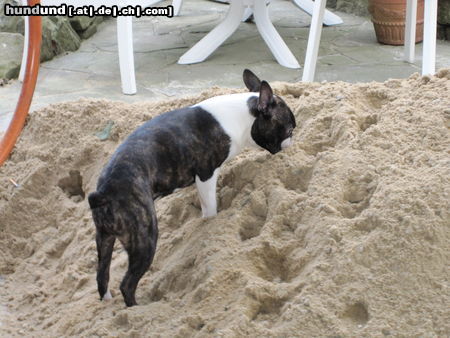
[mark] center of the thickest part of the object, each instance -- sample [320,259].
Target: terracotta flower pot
[389,16]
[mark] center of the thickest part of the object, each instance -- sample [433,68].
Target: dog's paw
[207,214]
[107,296]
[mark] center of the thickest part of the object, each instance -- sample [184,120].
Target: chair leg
[329,18]
[25,44]
[177,6]
[410,30]
[429,38]
[206,46]
[126,56]
[268,32]
[313,41]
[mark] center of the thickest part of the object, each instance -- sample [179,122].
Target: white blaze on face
[286,143]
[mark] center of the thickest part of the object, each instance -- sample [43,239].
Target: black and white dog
[171,151]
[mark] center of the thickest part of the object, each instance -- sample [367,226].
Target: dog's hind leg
[141,247]
[140,257]
[105,246]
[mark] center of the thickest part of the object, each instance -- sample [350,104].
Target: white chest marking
[232,112]
[207,194]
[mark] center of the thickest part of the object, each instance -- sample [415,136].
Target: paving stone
[366,54]
[335,60]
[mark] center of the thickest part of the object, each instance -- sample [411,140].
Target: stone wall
[59,34]
[357,7]
[444,19]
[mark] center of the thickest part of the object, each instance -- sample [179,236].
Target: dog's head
[274,123]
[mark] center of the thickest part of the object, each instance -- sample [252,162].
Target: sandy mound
[346,233]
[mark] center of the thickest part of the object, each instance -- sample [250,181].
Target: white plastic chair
[312,49]
[429,37]
[124,35]
[429,34]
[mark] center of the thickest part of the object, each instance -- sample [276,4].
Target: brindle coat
[164,154]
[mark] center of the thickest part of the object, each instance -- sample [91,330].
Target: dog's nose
[286,143]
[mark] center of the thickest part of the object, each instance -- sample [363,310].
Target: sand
[346,233]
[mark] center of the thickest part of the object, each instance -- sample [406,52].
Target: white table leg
[313,41]
[25,45]
[410,30]
[249,11]
[126,56]
[429,38]
[206,46]
[176,6]
[268,32]
[247,14]
[329,18]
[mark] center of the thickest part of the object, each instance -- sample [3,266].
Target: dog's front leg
[207,194]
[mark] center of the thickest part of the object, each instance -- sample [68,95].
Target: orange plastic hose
[28,86]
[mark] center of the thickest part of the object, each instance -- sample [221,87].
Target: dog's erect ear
[252,82]
[265,98]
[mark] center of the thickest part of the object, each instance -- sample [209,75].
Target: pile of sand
[345,233]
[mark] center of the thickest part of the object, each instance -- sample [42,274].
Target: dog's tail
[97,199]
